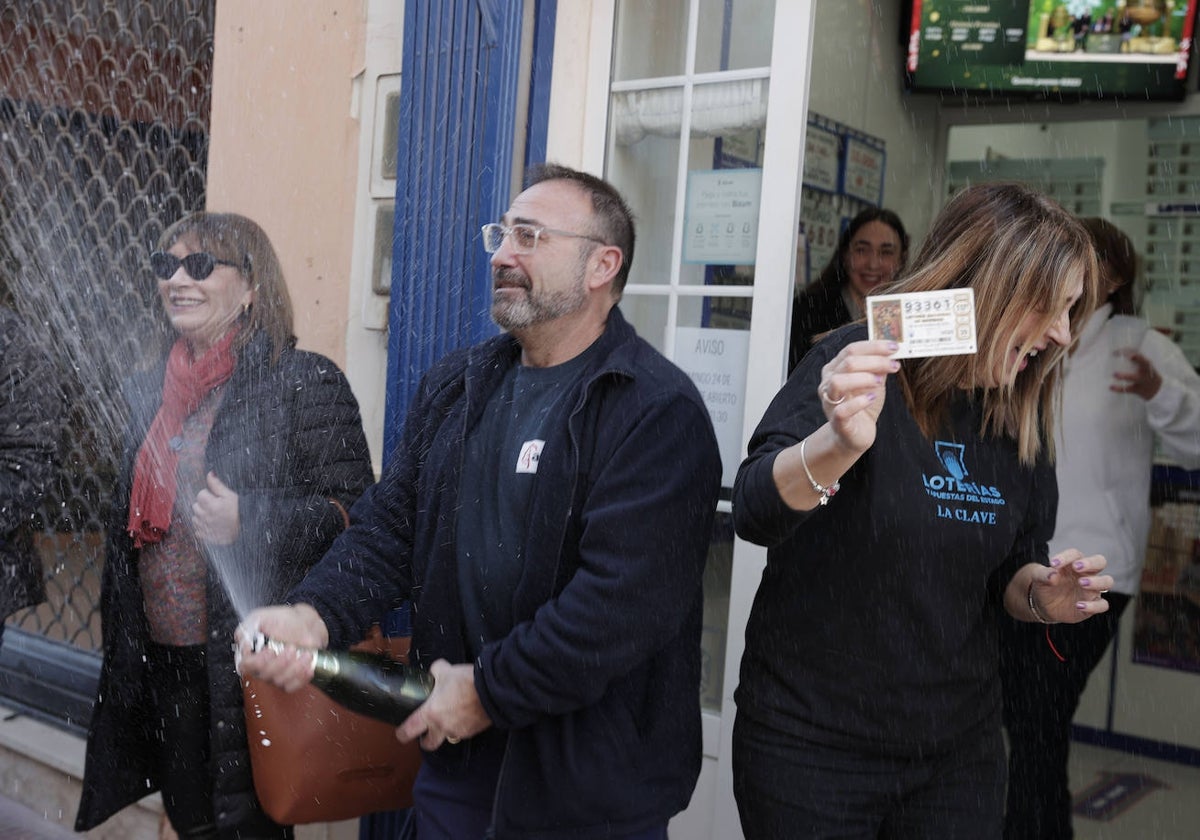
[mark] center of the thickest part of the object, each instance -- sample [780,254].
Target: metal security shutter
[104,126]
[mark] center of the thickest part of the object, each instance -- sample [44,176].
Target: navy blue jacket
[597,684]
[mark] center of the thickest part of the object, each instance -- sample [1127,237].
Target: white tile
[1168,812]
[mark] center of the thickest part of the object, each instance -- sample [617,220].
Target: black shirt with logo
[499,472]
[875,624]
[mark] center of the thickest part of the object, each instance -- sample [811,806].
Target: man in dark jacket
[31,409]
[548,514]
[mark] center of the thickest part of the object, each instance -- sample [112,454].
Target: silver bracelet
[1033,607]
[820,489]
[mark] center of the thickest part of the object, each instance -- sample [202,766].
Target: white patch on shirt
[531,451]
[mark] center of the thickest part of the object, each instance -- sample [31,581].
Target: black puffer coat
[31,408]
[288,440]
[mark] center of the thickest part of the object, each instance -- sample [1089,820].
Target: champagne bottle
[371,684]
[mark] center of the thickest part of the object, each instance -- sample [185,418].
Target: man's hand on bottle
[453,711]
[294,631]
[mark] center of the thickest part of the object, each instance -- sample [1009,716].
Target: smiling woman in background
[871,252]
[241,457]
[869,700]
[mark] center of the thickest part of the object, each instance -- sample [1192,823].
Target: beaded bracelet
[820,489]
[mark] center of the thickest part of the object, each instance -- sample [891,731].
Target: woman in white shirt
[1126,387]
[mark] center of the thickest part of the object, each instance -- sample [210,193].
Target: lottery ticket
[924,323]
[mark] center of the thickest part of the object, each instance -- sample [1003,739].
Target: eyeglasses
[524,237]
[198,265]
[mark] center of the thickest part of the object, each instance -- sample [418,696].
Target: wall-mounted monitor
[1051,49]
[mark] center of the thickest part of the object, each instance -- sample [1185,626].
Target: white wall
[366,330]
[293,147]
[1120,143]
[857,79]
[283,146]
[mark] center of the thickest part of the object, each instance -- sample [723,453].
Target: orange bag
[316,761]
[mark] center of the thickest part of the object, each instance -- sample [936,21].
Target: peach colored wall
[284,145]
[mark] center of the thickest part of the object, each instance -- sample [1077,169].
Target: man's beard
[515,311]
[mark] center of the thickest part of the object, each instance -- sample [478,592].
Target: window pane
[651,37]
[710,343]
[648,314]
[734,34]
[695,195]
[721,195]
[645,173]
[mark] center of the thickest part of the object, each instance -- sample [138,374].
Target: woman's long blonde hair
[1020,252]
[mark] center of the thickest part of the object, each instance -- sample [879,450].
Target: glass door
[706,117]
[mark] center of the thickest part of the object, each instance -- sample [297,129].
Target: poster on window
[1167,619]
[738,151]
[821,160]
[863,173]
[822,226]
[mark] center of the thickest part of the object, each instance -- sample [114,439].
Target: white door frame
[779,219]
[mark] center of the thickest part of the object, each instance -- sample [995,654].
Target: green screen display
[1136,49]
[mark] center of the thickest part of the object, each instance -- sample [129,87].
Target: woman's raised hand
[851,390]
[1143,380]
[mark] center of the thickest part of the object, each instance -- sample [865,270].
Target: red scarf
[185,386]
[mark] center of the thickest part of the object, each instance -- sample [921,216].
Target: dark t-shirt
[500,468]
[875,625]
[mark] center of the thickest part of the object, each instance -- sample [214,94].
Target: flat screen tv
[1051,49]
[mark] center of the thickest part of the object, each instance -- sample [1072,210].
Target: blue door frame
[459,89]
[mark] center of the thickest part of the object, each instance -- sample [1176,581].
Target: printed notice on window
[721,216]
[716,362]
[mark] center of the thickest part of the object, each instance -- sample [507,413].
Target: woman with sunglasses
[905,506]
[242,456]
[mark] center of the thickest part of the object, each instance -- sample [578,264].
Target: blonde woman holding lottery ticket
[905,504]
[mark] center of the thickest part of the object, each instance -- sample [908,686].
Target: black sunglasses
[198,265]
